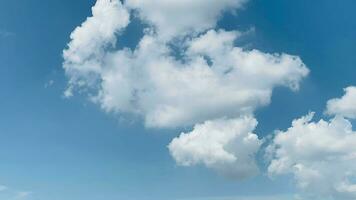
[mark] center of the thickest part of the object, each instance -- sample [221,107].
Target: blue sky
[52,147]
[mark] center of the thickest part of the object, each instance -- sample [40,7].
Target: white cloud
[321,156]
[227,146]
[153,84]
[89,41]
[181,17]
[344,106]
[211,79]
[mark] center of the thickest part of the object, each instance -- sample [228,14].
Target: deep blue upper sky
[67,149]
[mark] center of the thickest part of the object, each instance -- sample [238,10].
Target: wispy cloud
[23,194]
[253,197]
[3,188]
[49,83]
[13,193]
[5,33]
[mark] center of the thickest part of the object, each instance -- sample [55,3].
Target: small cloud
[49,83]
[344,106]
[3,188]
[5,33]
[68,92]
[22,194]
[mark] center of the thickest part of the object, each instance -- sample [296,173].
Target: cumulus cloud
[83,57]
[173,18]
[227,146]
[153,84]
[344,106]
[321,156]
[210,79]
[217,78]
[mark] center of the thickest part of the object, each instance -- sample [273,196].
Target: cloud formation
[152,83]
[344,106]
[171,93]
[180,75]
[89,42]
[321,155]
[227,146]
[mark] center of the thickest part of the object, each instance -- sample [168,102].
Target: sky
[93,108]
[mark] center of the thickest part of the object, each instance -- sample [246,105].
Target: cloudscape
[178,100]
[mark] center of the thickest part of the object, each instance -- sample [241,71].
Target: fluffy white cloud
[215,77]
[321,155]
[89,41]
[180,17]
[225,145]
[344,106]
[153,84]
[210,79]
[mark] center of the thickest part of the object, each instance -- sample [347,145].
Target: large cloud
[205,77]
[168,92]
[321,155]
[228,146]
[344,106]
